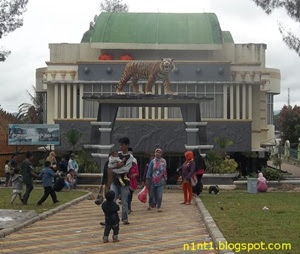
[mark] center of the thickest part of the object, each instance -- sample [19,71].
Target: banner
[33,134]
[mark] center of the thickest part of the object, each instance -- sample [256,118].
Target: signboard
[33,134]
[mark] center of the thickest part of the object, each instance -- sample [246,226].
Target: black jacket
[110,210]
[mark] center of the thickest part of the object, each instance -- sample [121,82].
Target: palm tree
[72,137]
[32,113]
[223,143]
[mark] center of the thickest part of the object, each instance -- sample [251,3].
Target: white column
[55,101]
[80,101]
[231,103]
[249,101]
[166,111]
[225,87]
[62,101]
[244,101]
[146,112]
[159,109]
[68,101]
[237,98]
[74,101]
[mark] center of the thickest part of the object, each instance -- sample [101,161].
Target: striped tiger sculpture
[148,70]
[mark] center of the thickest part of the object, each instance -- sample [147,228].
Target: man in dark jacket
[27,173]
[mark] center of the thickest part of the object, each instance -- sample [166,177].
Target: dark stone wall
[171,136]
[183,72]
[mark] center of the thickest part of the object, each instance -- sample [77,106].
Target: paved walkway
[76,230]
[290,167]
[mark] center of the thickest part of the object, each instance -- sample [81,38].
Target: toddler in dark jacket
[110,209]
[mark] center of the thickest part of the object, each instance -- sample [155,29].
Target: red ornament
[105,56]
[126,57]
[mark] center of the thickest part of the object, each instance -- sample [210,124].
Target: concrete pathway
[76,229]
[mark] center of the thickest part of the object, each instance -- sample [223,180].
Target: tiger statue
[148,70]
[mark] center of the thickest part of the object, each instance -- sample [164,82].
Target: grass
[241,218]
[36,194]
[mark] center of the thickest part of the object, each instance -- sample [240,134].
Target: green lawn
[241,218]
[36,194]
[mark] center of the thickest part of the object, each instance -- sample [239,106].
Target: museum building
[233,78]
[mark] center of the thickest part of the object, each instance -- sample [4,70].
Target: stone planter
[222,179]
[89,178]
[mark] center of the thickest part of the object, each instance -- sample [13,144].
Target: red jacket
[133,174]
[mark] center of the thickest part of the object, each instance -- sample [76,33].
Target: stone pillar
[225,101]
[55,115]
[68,101]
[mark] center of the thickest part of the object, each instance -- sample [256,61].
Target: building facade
[208,64]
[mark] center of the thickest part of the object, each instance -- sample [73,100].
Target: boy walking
[47,175]
[17,184]
[110,209]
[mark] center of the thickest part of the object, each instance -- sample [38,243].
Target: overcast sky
[57,21]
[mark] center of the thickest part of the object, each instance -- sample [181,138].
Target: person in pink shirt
[261,183]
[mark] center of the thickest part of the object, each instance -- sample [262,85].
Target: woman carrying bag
[188,171]
[199,171]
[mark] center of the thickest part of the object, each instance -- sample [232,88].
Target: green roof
[157,28]
[227,37]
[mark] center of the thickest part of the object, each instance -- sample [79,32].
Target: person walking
[199,171]
[27,173]
[188,170]
[150,196]
[157,177]
[123,168]
[133,183]
[47,175]
[17,184]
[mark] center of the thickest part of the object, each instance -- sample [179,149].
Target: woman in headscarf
[157,177]
[199,171]
[261,183]
[188,170]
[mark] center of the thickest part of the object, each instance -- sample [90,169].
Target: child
[113,161]
[17,184]
[110,209]
[47,175]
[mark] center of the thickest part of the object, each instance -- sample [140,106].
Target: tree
[292,8]
[105,6]
[10,19]
[289,121]
[72,137]
[113,6]
[32,113]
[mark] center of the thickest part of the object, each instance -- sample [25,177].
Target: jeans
[109,227]
[157,192]
[29,188]
[130,199]
[124,191]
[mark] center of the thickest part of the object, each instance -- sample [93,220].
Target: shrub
[272,174]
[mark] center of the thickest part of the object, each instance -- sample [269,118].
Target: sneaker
[149,208]
[105,239]
[56,201]
[159,210]
[126,222]
[102,223]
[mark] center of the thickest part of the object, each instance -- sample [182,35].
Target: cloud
[56,21]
